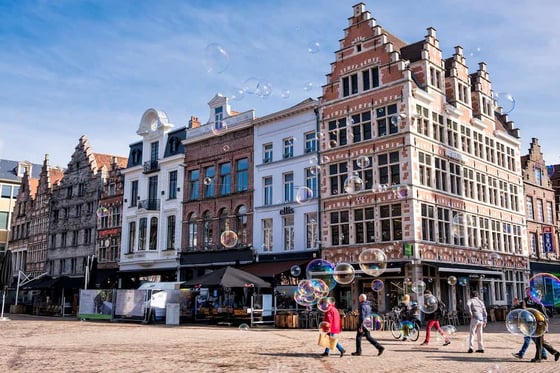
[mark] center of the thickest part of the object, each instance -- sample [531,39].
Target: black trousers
[365,333]
[540,344]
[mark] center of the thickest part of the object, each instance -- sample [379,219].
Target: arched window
[241,224]
[223,223]
[153,233]
[192,232]
[207,231]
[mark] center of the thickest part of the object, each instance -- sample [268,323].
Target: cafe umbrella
[5,277]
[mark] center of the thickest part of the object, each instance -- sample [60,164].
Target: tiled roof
[107,160]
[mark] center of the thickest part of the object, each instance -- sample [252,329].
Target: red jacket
[333,318]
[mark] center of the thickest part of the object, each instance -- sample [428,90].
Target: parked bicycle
[407,328]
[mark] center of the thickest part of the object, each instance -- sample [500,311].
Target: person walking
[526,339]
[332,316]
[432,320]
[364,311]
[538,310]
[479,317]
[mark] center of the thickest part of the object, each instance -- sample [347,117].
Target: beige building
[417,161]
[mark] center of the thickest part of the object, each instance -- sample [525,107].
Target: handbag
[327,341]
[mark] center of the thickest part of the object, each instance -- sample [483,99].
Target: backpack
[442,308]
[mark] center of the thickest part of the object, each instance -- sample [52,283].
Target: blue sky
[83,67]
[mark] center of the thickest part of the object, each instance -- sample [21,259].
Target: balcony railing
[151,166]
[149,204]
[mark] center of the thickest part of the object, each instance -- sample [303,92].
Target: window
[207,231]
[438,129]
[193,184]
[131,236]
[458,224]
[288,227]
[452,133]
[223,223]
[153,233]
[87,236]
[538,176]
[361,127]
[350,85]
[143,227]
[242,175]
[363,167]
[288,187]
[549,213]
[225,179]
[192,233]
[241,224]
[425,169]
[310,142]
[337,133]
[112,190]
[540,211]
[69,191]
[170,244]
[370,78]
[218,118]
[172,192]
[441,174]
[209,182]
[468,182]
[455,178]
[74,238]
[391,223]
[340,228]
[428,223]
[288,148]
[338,172]
[267,182]
[267,234]
[6,191]
[154,151]
[484,225]
[435,77]
[389,168]
[533,244]
[387,120]
[530,211]
[134,193]
[364,226]
[311,230]
[489,148]
[82,189]
[443,225]
[481,187]
[422,120]
[63,239]
[267,153]
[311,182]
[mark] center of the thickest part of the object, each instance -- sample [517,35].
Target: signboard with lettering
[548,246]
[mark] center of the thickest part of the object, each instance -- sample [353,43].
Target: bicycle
[408,329]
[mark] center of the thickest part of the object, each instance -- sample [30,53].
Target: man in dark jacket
[542,319]
[364,311]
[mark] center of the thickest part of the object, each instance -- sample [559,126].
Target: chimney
[194,122]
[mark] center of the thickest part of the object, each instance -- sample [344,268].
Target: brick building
[419,162]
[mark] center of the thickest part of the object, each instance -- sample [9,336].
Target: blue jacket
[364,311]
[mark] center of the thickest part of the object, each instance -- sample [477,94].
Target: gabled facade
[109,220]
[11,175]
[73,215]
[286,192]
[218,191]
[417,161]
[151,229]
[542,214]
[38,234]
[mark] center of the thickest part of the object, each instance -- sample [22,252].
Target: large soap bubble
[373,261]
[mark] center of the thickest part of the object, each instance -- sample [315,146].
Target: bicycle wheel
[395,330]
[414,332]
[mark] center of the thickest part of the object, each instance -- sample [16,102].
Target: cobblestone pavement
[33,344]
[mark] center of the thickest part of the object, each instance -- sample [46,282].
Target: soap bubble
[216,58]
[373,261]
[228,239]
[344,273]
[452,280]
[295,270]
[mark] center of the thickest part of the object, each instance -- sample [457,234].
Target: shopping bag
[327,341]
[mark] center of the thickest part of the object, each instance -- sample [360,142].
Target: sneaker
[381,349]
[424,343]
[556,356]
[325,354]
[544,357]
[342,352]
[356,354]
[470,351]
[481,351]
[536,360]
[447,343]
[517,355]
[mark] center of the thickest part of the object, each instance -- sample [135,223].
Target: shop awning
[541,267]
[62,282]
[465,270]
[271,269]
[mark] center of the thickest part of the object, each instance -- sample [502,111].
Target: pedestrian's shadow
[298,354]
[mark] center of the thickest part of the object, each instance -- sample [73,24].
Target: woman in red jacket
[333,318]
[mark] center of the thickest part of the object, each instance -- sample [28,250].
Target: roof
[9,170]
[107,160]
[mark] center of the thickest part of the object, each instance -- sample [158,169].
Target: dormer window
[22,168]
[218,118]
